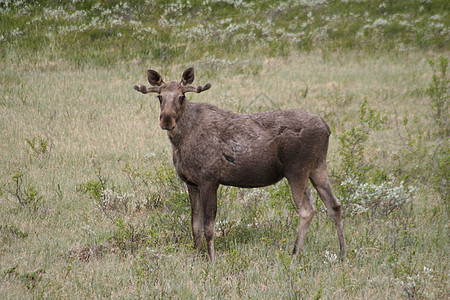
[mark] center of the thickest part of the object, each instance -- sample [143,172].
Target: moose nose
[167,122]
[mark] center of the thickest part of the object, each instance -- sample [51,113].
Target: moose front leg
[196,215]
[208,195]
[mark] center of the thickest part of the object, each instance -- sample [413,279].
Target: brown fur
[212,146]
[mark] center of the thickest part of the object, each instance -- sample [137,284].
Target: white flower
[380,22]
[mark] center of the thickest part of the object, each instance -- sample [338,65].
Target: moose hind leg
[306,210]
[319,178]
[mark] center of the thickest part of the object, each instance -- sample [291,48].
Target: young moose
[212,146]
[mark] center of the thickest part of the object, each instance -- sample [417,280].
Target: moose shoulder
[212,146]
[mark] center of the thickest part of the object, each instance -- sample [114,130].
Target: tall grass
[91,207]
[113,221]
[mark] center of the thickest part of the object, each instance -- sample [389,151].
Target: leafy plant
[130,237]
[352,144]
[118,209]
[290,275]
[30,280]
[236,262]
[411,278]
[94,187]
[27,195]
[39,147]
[439,159]
[11,232]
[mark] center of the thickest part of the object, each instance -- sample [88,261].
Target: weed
[27,195]
[94,187]
[433,168]
[9,233]
[117,208]
[148,269]
[140,181]
[236,262]
[167,202]
[39,146]
[130,237]
[30,280]
[438,92]
[439,159]
[411,280]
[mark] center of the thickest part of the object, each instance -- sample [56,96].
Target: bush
[352,145]
[370,198]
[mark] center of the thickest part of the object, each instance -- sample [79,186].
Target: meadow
[91,207]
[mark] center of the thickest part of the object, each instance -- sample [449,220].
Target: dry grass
[91,118]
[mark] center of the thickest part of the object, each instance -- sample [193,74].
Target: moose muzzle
[168,121]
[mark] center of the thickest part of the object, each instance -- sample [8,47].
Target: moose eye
[182,98]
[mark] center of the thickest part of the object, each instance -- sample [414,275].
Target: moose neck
[184,124]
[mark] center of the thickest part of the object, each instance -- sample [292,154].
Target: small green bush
[27,195]
[30,280]
[130,237]
[352,144]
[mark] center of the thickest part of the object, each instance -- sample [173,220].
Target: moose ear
[188,76]
[154,78]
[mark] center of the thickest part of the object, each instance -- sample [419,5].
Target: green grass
[90,206]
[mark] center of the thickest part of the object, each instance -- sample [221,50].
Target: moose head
[171,96]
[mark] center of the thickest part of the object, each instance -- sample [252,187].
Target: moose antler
[144,90]
[199,89]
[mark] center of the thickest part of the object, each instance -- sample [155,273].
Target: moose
[212,146]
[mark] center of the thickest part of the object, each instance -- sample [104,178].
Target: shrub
[30,280]
[352,144]
[430,144]
[27,195]
[131,237]
[94,187]
[370,198]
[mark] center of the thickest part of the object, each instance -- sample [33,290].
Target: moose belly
[248,173]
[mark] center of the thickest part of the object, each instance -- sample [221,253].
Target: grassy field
[90,206]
